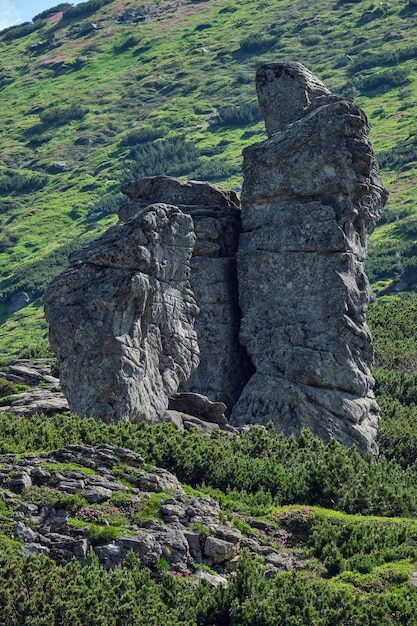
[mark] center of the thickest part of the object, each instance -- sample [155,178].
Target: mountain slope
[108,91]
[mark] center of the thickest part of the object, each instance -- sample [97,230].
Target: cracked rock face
[224,366]
[121,319]
[311,197]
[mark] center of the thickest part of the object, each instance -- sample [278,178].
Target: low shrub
[63,6]
[20,30]
[47,495]
[128,43]
[384,80]
[62,115]
[140,136]
[256,43]
[108,204]
[238,115]
[12,181]
[84,8]
[173,156]
[41,350]
[103,534]
[8,388]
[391,56]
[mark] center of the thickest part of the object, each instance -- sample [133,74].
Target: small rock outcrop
[121,506]
[121,318]
[37,389]
[224,366]
[311,196]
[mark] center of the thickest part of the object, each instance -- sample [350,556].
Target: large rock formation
[224,366]
[311,196]
[121,319]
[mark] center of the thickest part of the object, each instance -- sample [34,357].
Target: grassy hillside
[108,91]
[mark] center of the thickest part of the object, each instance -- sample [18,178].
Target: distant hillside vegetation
[108,90]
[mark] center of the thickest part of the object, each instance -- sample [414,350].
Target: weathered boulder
[36,401]
[121,318]
[224,366]
[311,196]
[199,406]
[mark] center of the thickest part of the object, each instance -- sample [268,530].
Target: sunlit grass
[183,65]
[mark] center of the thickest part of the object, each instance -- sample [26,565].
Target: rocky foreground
[125,507]
[104,499]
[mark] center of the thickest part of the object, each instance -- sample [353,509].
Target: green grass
[179,70]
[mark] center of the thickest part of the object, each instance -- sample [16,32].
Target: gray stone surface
[311,197]
[35,401]
[218,550]
[121,318]
[42,396]
[224,367]
[285,90]
[280,285]
[214,579]
[199,406]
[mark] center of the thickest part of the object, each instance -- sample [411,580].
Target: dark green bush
[395,259]
[41,350]
[361,545]
[400,385]
[63,115]
[128,43]
[399,156]
[20,30]
[12,181]
[7,387]
[109,203]
[36,276]
[256,43]
[215,169]
[254,472]
[48,12]
[238,115]
[174,156]
[391,56]
[386,79]
[140,136]
[84,8]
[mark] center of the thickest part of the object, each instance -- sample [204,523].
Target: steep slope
[105,92]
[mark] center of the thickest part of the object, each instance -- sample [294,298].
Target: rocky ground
[105,499]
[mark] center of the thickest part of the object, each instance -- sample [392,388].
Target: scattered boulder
[36,401]
[311,197]
[18,301]
[132,15]
[199,406]
[58,167]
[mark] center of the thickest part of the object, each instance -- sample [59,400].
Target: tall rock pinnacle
[311,197]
